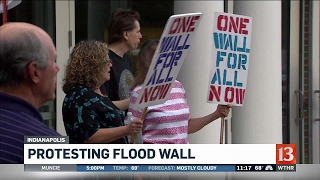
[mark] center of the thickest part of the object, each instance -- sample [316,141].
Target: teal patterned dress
[85,112]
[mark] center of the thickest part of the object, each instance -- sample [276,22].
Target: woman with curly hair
[89,116]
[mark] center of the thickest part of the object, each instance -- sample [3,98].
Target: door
[301,57]
[64,44]
[315,83]
[87,19]
[43,12]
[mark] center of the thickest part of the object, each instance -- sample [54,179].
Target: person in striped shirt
[28,72]
[170,122]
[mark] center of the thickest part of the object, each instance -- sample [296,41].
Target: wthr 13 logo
[286,153]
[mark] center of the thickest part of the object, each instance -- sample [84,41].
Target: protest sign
[173,46]
[230,59]
[10,4]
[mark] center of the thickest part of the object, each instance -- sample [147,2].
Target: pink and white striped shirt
[165,123]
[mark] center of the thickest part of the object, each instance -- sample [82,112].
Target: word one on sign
[230,59]
[167,59]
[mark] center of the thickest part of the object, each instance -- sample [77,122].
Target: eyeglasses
[109,61]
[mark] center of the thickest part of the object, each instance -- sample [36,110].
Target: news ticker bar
[162,168]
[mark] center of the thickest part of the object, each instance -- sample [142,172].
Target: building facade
[282,96]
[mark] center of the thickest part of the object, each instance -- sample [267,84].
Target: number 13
[286,154]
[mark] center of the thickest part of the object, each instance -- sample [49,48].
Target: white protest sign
[173,46]
[10,4]
[230,59]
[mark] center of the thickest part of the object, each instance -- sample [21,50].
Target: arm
[195,124]
[122,104]
[137,176]
[106,135]
[89,117]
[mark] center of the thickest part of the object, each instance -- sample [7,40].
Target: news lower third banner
[56,154]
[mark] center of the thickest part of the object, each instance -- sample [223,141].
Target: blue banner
[157,168]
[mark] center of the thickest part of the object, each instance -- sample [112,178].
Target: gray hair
[16,53]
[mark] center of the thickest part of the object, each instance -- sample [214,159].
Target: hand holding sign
[222,111]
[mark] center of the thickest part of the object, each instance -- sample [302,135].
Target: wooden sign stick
[5,12]
[222,131]
[144,112]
